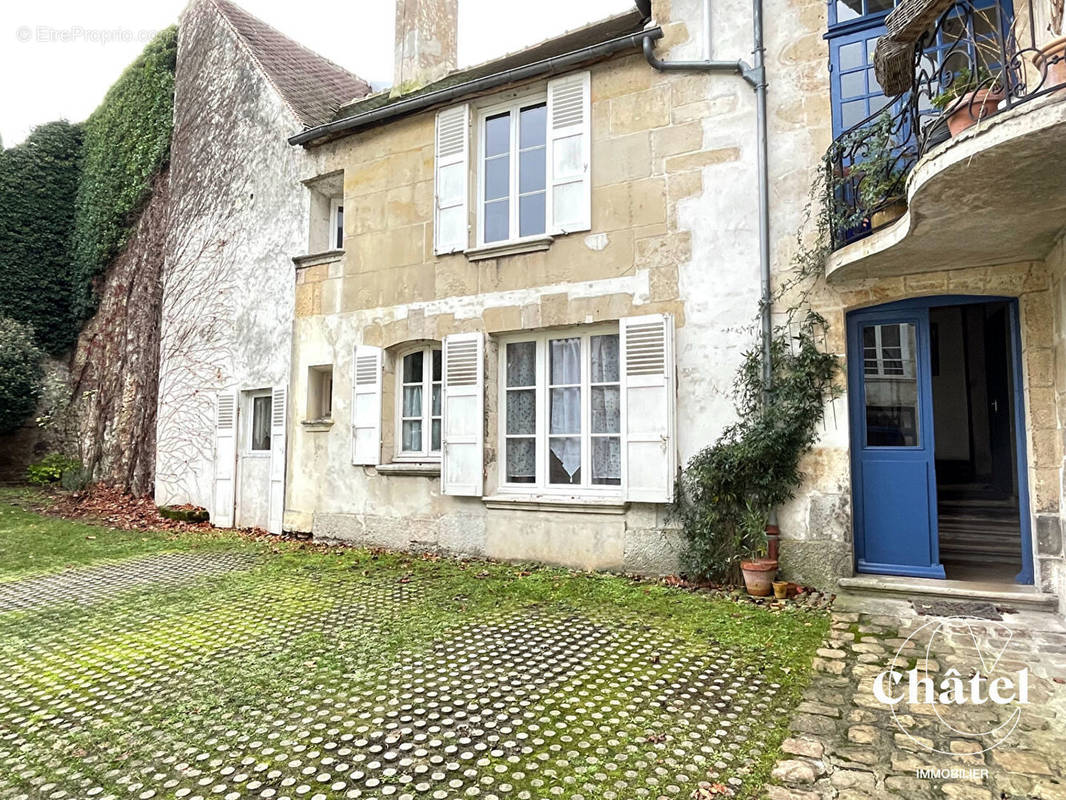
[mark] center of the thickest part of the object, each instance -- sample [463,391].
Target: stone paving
[92,584]
[846,744]
[534,704]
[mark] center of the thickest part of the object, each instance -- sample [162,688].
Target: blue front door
[893,467]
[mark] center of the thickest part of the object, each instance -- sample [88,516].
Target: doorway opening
[978,513]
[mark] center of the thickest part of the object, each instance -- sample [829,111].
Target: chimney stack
[426,41]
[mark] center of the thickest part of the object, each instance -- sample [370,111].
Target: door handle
[995,406]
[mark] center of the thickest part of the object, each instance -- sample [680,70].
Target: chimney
[426,42]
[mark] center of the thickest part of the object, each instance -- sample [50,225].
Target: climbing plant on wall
[38,184]
[126,142]
[20,374]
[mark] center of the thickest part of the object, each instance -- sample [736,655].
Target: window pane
[521,411]
[604,358]
[339,241]
[876,6]
[521,460]
[497,221]
[853,84]
[521,364]
[498,134]
[412,436]
[891,385]
[497,178]
[412,401]
[412,368]
[436,365]
[436,401]
[435,444]
[607,461]
[564,461]
[565,361]
[567,200]
[606,409]
[261,423]
[532,126]
[852,113]
[565,411]
[851,56]
[848,9]
[567,157]
[531,170]
[531,214]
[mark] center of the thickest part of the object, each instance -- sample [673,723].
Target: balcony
[965,166]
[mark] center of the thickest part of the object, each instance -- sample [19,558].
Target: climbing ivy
[20,374]
[38,183]
[127,141]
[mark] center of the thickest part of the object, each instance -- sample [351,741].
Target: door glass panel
[890,376]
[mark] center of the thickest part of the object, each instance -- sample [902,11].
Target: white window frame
[907,360]
[426,454]
[514,106]
[249,450]
[336,205]
[319,390]
[541,487]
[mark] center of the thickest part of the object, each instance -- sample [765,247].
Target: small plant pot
[888,214]
[972,107]
[780,590]
[758,576]
[1051,61]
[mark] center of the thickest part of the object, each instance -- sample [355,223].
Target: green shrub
[51,469]
[38,187]
[184,513]
[126,142]
[76,479]
[20,374]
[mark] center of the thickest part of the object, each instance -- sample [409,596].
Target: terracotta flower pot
[973,107]
[888,214]
[758,576]
[780,590]
[1054,71]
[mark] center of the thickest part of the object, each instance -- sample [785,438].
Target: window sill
[417,469]
[316,425]
[567,503]
[312,259]
[498,249]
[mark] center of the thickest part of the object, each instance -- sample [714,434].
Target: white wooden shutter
[278,410]
[569,186]
[366,406]
[451,218]
[464,414]
[225,460]
[649,458]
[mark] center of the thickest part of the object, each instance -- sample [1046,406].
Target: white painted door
[253,459]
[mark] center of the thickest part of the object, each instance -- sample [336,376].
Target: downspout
[755,75]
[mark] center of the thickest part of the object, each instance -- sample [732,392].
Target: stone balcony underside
[995,194]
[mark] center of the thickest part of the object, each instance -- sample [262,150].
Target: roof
[313,87]
[596,33]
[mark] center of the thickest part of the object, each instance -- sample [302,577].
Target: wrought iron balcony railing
[967,68]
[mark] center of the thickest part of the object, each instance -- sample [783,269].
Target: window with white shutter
[452,170]
[648,408]
[464,414]
[276,509]
[569,183]
[225,460]
[366,406]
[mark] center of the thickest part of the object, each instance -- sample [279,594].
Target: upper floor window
[419,404]
[336,224]
[320,392]
[530,167]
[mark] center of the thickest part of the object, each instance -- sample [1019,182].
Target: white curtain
[566,404]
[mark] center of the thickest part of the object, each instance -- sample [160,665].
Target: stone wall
[1052,373]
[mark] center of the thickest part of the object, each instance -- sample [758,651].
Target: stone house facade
[520,292]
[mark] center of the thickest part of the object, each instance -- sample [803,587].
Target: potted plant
[780,590]
[758,570]
[969,98]
[881,182]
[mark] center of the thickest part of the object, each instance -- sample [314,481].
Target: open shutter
[225,460]
[366,406]
[464,414]
[648,408]
[569,185]
[451,218]
[276,510]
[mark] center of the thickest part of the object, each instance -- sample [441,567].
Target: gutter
[755,76]
[548,66]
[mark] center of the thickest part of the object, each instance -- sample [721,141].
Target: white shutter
[366,406]
[451,218]
[276,510]
[569,186]
[464,414]
[649,458]
[225,460]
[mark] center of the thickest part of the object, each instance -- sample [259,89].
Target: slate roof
[313,87]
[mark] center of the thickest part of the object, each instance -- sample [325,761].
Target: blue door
[893,467]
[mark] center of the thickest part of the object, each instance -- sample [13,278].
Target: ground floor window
[261,411]
[419,401]
[561,426]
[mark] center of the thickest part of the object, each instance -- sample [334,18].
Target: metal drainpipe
[755,75]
